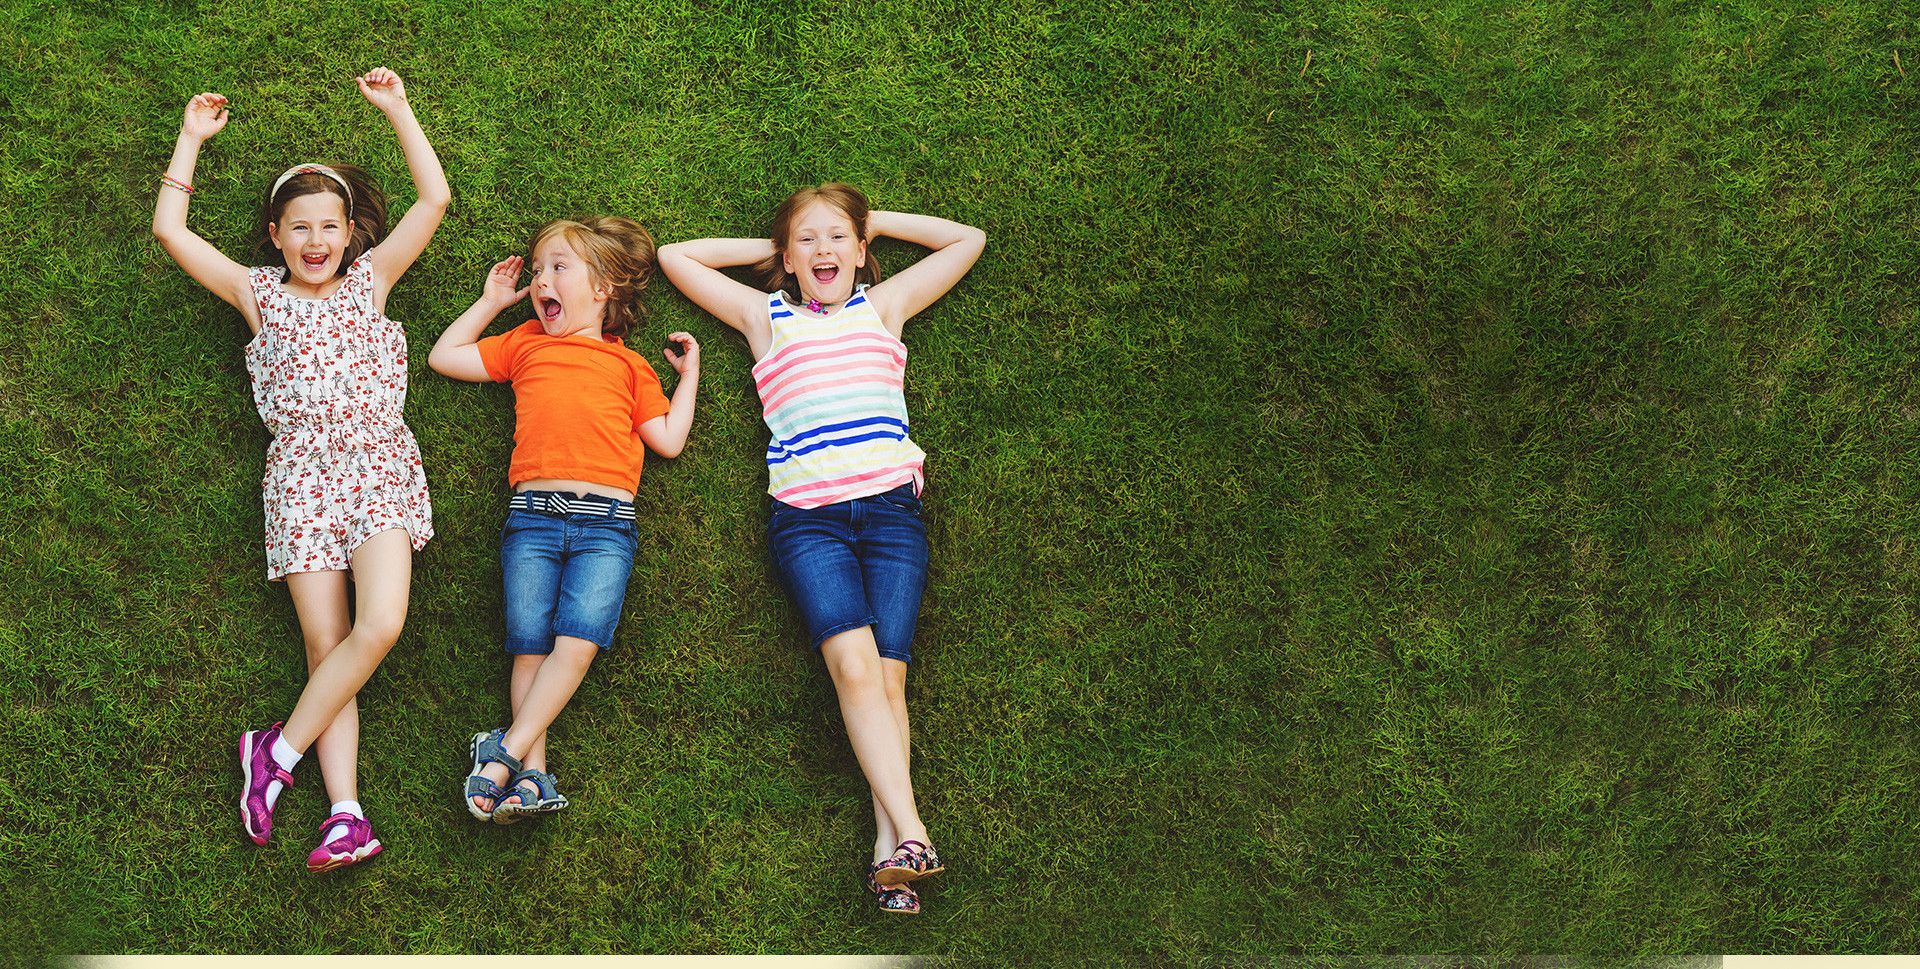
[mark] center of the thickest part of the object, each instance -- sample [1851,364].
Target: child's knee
[575,650]
[856,672]
[381,630]
[319,646]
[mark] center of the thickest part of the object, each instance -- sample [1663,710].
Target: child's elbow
[670,452]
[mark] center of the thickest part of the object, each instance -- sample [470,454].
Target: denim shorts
[861,562]
[565,575]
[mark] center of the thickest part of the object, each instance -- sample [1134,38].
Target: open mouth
[549,309]
[315,263]
[825,274]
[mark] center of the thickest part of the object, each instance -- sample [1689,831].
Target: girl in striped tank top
[843,475]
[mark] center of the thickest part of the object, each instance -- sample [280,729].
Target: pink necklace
[813,305]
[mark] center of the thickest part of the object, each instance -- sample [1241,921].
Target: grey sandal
[514,803]
[486,749]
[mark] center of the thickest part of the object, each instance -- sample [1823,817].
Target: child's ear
[273,234]
[860,257]
[786,262]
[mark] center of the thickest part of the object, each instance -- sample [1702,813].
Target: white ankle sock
[342,807]
[286,757]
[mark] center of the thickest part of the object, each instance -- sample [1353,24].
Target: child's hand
[206,115]
[382,88]
[500,282]
[689,356]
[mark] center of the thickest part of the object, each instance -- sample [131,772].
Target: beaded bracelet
[171,182]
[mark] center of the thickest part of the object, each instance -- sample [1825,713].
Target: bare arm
[455,354]
[694,268]
[667,434]
[206,114]
[392,257]
[955,249]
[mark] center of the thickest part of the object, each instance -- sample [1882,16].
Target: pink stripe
[787,355]
[865,477]
[773,405]
[845,357]
[824,382]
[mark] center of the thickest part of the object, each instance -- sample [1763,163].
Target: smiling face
[566,300]
[823,251]
[312,236]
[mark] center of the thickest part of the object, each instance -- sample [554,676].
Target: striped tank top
[832,392]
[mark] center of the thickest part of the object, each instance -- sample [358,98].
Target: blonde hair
[772,271]
[619,255]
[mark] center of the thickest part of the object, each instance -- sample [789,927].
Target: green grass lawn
[1455,494]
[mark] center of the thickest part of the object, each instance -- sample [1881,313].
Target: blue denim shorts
[861,562]
[565,574]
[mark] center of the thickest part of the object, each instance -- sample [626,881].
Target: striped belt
[562,503]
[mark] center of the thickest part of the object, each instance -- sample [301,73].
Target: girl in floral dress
[344,494]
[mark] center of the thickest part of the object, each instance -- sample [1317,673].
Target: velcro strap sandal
[487,749]
[518,801]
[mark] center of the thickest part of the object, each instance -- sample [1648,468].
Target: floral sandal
[514,802]
[907,863]
[487,749]
[894,900]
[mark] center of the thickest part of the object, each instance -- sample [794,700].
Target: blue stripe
[856,301]
[780,314]
[809,449]
[843,426]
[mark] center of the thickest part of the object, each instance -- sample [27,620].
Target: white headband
[312,169]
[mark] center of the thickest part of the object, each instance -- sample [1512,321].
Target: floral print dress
[330,380]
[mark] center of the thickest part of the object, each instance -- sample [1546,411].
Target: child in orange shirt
[586,408]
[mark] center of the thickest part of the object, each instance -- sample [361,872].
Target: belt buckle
[557,503]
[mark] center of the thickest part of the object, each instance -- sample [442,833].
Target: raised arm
[383,89]
[206,114]
[455,354]
[667,434]
[694,268]
[955,249]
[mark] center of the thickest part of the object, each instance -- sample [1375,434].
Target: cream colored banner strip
[1820,962]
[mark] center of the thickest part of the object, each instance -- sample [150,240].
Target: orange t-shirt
[578,404]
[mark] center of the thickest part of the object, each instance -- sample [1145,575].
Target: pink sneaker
[357,845]
[257,771]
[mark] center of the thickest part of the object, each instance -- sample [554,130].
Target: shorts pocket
[901,500]
[518,521]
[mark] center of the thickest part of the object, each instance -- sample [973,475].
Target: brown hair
[773,274]
[367,210]
[619,255]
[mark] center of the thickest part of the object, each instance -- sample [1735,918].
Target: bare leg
[872,726]
[895,673]
[382,572]
[552,686]
[320,599]
[525,669]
